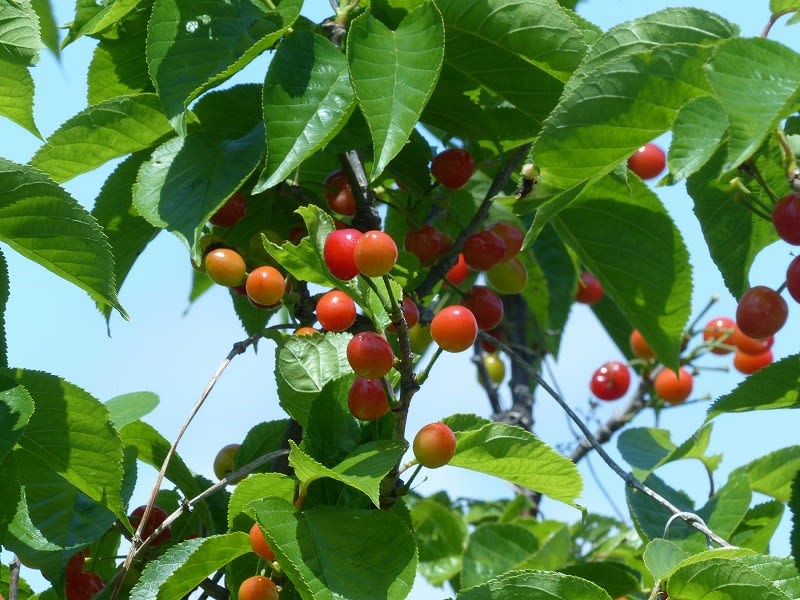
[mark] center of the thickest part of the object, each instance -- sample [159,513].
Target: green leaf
[20,40]
[758,526]
[85,450]
[4,294]
[44,223]
[127,408]
[661,556]
[101,133]
[393,74]
[754,100]
[331,553]
[16,95]
[699,130]
[16,408]
[258,486]
[615,578]
[772,474]
[331,431]
[92,17]
[181,568]
[778,7]
[794,507]
[775,386]
[363,469]
[47,25]
[10,492]
[261,439]
[308,98]
[193,45]
[494,549]
[441,533]
[611,227]
[181,185]
[118,68]
[515,455]
[535,585]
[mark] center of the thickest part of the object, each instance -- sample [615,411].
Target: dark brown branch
[366,217]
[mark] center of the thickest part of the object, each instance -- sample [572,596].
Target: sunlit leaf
[16,95]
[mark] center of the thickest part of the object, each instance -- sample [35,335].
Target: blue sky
[53,326]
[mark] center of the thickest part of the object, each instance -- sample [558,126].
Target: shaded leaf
[16,95]
[261,439]
[758,526]
[615,578]
[698,132]
[534,585]
[773,473]
[47,25]
[93,17]
[118,68]
[258,486]
[440,533]
[494,549]
[16,408]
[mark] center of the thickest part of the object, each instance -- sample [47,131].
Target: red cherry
[611,380]
[750,345]
[265,286]
[453,167]
[793,278]
[370,355]
[590,291]
[339,253]
[719,333]
[648,161]
[157,516]
[231,212]
[82,586]
[750,363]
[367,399]
[336,311]
[76,562]
[434,445]
[410,313]
[375,254]
[761,312]
[339,194]
[639,346]
[486,306]
[483,250]
[786,218]
[511,235]
[454,328]
[259,543]
[458,272]
[674,389]
[425,243]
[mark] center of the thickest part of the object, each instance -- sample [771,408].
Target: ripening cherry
[369,354]
[511,235]
[230,213]
[339,194]
[673,388]
[453,167]
[611,380]
[225,267]
[82,585]
[750,363]
[786,218]
[339,253]
[258,587]
[375,254]
[458,272]
[424,242]
[265,285]
[589,291]
[648,161]
[410,313]
[750,345]
[336,311]
[483,250]
[259,543]
[793,278]
[509,276]
[639,346]
[486,306]
[223,461]
[156,517]
[454,328]
[761,312]
[306,330]
[495,367]
[367,400]
[718,334]
[434,445]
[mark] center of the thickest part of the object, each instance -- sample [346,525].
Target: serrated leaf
[44,223]
[611,226]
[193,45]
[754,100]
[515,455]
[127,408]
[331,553]
[181,568]
[4,295]
[92,17]
[260,440]
[494,549]
[773,387]
[661,556]
[535,585]
[16,408]
[47,25]
[393,74]
[258,486]
[440,533]
[697,133]
[181,185]
[772,474]
[101,133]
[85,451]
[615,578]
[331,432]
[16,95]
[363,469]
[308,98]
[758,526]
[118,68]
[20,40]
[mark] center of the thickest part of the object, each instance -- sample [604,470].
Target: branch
[366,217]
[13,578]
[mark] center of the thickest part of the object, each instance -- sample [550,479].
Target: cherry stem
[423,375]
[781,287]
[407,485]
[752,169]
[711,302]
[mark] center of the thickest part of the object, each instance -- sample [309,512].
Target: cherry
[76,562]
[375,254]
[511,235]
[369,354]
[156,517]
[497,333]
[674,389]
[82,586]
[750,363]
[259,543]
[786,218]
[434,445]
[410,313]
[458,272]
[453,167]
[447,242]
[793,278]
[425,243]
[486,306]
[419,338]
[231,212]
[339,253]
[648,161]
[297,233]
[718,334]
[454,328]
[590,291]
[495,368]
[750,345]
[483,250]
[336,311]
[225,266]
[258,587]
[339,194]
[367,399]
[509,276]
[761,312]
[305,330]
[265,285]
[223,461]
[610,381]
[639,346]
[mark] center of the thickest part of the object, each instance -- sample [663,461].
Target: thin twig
[13,578]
